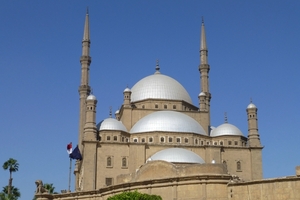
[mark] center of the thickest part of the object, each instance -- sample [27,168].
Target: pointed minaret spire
[86,34]
[203,46]
[84,88]
[157,68]
[204,77]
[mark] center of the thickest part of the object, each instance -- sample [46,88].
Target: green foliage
[15,193]
[12,165]
[134,196]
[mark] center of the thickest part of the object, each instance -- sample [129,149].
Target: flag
[76,154]
[69,148]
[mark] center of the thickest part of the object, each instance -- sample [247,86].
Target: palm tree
[12,165]
[15,193]
[50,188]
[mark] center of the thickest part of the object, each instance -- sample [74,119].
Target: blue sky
[253,53]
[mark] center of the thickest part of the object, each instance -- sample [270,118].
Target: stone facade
[119,153]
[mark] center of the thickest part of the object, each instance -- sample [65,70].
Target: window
[165,106]
[115,138]
[156,106]
[143,139]
[174,107]
[238,166]
[108,181]
[207,143]
[215,143]
[135,140]
[108,162]
[178,140]
[229,142]
[127,140]
[186,140]
[143,106]
[151,139]
[235,142]
[108,138]
[124,162]
[224,163]
[162,139]
[202,142]
[221,143]
[123,139]
[170,139]
[196,141]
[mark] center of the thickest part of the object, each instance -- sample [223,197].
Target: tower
[254,143]
[84,88]
[204,71]
[89,148]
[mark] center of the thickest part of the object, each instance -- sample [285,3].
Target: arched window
[115,138]
[162,139]
[124,162]
[186,140]
[178,140]
[238,166]
[151,139]
[196,141]
[221,143]
[170,139]
[108,138]
[224,163]
[143,139]
[108,162]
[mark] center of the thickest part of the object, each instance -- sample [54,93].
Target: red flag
[69,148]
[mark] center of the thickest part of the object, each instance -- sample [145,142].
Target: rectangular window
[108,181]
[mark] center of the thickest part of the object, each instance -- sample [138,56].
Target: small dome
[225,129]
[159,86]
[127,90]
[202,94]
[91,97]
[251,105]
[117,112]
[170,121]
[177,155]
[112,124]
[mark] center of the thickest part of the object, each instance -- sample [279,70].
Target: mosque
[160,143]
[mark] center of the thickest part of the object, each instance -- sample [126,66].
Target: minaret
[204,70]
[253,136]
[127,97]
[254,144]
[84,88]
[88,176]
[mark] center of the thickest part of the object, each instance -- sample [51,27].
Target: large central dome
[159,86]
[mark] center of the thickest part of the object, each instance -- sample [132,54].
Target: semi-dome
[127,90]
[177,155]
[226,129]
[159,86]
[111,124]
[170,121]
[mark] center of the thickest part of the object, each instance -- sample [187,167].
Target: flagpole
[69,190]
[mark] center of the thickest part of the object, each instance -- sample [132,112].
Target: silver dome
[177,155]
[202,94]
[91,97]
[112,124]
[170,121]
[251,105]
[226,129]
[159,86]
[127,90]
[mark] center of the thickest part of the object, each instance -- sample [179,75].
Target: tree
[13,166]
[15,193]
[134,196]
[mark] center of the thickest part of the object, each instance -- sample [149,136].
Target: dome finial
[157,68]
[225,116]
[110,108]
[87,10]
[250,99]
[202,20]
